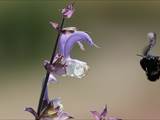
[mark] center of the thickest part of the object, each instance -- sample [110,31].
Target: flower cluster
[63,64]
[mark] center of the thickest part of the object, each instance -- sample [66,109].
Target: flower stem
[47,74]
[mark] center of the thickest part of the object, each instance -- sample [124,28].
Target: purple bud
[68,11]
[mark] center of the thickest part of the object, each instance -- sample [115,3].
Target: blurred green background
[115,78]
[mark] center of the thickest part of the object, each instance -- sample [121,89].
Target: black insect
[149,63]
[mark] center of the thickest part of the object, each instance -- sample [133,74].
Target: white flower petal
[76,68]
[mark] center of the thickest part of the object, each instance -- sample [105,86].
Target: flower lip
[76,68]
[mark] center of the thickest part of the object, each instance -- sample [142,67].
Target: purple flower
[51,110]
[63,64]
[68,11]
[69,37]
[103,115]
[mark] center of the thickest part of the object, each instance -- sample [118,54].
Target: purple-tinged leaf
[54,25]
[32,111]
[104,112]
[103,115]
[58,67]
[96,115]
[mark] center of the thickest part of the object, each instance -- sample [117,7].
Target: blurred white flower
[76,68]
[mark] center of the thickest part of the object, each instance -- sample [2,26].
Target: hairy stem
[47,74]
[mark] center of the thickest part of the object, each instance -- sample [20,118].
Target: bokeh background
[115,78]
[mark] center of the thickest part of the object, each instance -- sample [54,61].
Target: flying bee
[149,63]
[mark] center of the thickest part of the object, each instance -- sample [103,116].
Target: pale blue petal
[62,42]
[73,39]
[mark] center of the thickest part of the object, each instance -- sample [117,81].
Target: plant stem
[47,74]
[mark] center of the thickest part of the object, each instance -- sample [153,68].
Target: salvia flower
[69,37]
[150,63]
[64,64]
[103,115]
[68,11]
[51,110]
